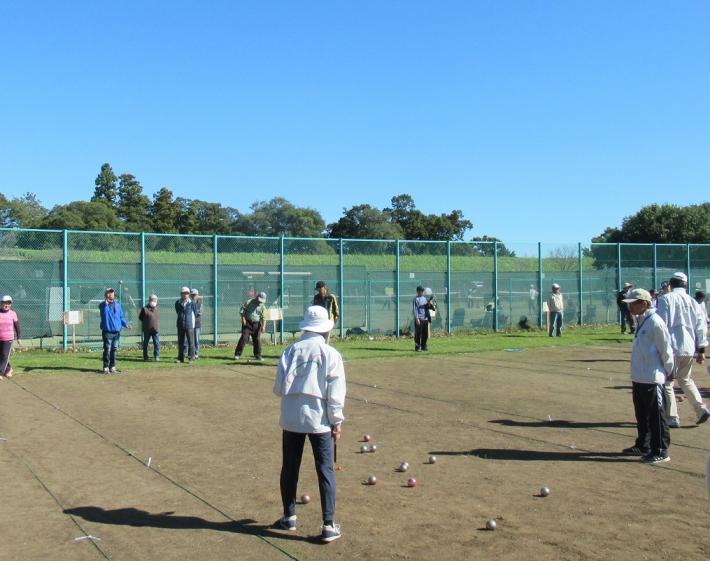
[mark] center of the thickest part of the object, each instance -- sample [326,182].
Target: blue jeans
[322,445]
[555,321]
[147,336]
[111,339]
[197,340]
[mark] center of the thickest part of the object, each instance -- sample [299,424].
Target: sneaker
[10,371]
[237,357]
[330,533]
[197,356]
[655,458]
[106,370]
[287,523]
[114,370]
[178,361]
[635,451]
[259,359]
[417,350]
[674,423]
[157,359]
[704,415]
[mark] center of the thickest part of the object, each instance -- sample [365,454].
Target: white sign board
[274,314]
[73,318]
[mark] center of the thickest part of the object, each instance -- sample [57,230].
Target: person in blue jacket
[112,321]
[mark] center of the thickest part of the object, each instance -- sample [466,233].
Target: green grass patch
[361,348]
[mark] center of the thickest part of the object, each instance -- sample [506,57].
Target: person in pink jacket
[9,330]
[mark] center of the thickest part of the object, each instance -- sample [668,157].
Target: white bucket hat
[680,276]
[316,320]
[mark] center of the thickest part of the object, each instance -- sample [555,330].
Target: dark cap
[420,288]
[699,294]
[320,284]
[109,290]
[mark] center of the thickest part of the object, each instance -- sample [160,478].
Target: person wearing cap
[185,326]
[421,309]
[253,317]
[324,298]
[624,312]
[197,307]
[556,306]
[665,287]
[150,327]
[700,299]
[310,380]
[688,331]
[533,295]
[112,321]
[9,331]
[651,364]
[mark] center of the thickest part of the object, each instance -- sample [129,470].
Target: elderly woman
[9,330]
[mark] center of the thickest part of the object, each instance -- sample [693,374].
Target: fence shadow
[561,423]
[168,520]
[537,456]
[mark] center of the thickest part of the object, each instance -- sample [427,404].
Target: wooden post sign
[274,315]
[73,318]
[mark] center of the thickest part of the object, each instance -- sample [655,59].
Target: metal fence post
[687,264]
[539,284]
[618,267]
[448,287]
[281,284]
[342,290]
[495,286]
[581,293]
[397,289]
[215,287]
[144,297]
[65,286]
[655,267]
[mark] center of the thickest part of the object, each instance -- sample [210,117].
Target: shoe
[106,370]
[157,359]
[425,349]
[704,415]
[655,458]
[674,423]
[259,359]
[178,361]
[635,451]
[330,533]
[237,357]
[114,370]
[287,523]
[9,372]
[417,350]
[196,357]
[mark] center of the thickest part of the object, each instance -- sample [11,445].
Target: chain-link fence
[476,285]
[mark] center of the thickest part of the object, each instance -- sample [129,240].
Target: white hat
[261,297]
[427,291]
[627,284]
[316,320]
[195,292]
[638,294]
[184,289]
[6,298]
[153,297]
[555,285]
[680,276]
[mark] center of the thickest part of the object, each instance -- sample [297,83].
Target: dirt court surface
[502,425]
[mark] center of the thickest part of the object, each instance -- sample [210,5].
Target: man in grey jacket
[689,338]
[310,380]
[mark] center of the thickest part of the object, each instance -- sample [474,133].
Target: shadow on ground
[168,520]
[561,423]
[536,456]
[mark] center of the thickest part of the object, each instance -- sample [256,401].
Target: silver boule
[491,524]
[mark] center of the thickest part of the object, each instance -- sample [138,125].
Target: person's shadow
[141,518]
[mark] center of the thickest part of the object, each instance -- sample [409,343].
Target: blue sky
[541,121]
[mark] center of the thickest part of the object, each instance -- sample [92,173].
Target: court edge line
[56,500]
[156,471]
[499,431]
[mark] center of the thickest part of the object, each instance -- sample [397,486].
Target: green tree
[279,217]
[25,211]
[81,215]
[419,226]
[212,218]
[483,245]
[662,224]
[365,222]
[106,190]
[132,205]
[164,213]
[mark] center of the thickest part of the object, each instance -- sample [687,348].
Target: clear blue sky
[539,120]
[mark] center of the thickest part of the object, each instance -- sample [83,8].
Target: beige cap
[638,294]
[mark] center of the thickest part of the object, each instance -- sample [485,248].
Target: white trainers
[114,370]
[330,533]
[106,371]
[287,523]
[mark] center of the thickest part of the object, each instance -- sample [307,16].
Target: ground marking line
[56,500]
[156,471]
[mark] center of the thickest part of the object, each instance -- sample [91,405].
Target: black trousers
[651,420]
[250,329]
[626,318]
[189,335]
[421,334]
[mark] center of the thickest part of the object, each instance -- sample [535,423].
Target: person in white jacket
[651,365]
[310,380]
[689,338]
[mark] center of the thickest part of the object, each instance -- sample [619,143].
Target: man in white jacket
[689,338]
[310,380]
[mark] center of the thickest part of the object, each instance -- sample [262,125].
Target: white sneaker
[114,370]
[287,523]
[330,533]
[106,371]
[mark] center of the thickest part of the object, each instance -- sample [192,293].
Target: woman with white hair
[9,331]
